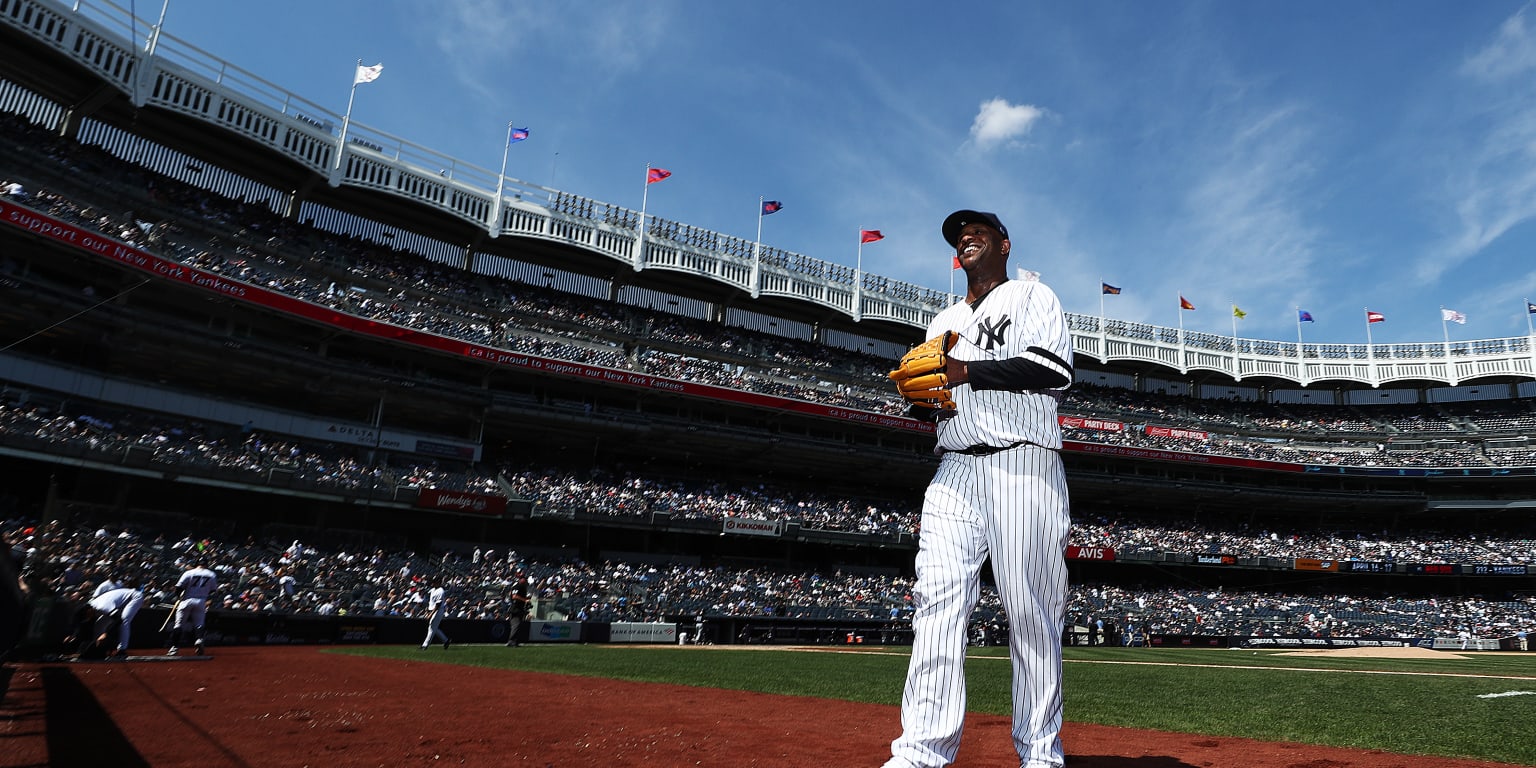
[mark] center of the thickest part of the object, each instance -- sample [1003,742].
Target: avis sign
[1090,553]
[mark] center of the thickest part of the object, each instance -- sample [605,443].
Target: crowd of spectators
[1144,534]
[292,577]
[1251,613]
[359,277]
[189,446]
[562,491]
[249,243]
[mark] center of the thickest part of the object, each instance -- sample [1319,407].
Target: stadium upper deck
[78,72]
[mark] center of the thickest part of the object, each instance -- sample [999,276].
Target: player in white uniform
[106,585]
[192,591]
[437,607]
[1000,490]
[117,607]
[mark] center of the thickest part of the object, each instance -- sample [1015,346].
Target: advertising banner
[1189,434]
[1313,564]
[1090,553]
[554,631]
[1365,566]
[642,632]
[1491,569]
[747,527]
[462,501]
[1102,425]
[1216,559]
[1321,642]
[1434,569]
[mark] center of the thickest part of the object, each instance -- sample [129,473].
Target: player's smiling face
[979,244]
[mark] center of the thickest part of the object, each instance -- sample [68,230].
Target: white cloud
[1491,180]
[481,36]
[1246,221]
[998,122]
[1511,53]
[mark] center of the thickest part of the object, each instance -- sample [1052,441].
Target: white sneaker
[171,652]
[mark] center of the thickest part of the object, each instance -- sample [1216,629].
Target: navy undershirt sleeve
[1015,373]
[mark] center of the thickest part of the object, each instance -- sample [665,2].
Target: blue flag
[1303,316]
[772,206]
[518,134]
[1110,289]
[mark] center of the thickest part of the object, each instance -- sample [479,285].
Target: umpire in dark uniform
[517,609]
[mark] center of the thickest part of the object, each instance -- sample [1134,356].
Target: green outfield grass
[1412,706]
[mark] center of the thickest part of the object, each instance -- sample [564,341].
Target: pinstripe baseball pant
[1011,505]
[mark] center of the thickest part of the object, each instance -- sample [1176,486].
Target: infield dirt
[300,706]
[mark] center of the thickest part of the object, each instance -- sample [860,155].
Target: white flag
[1453,316]
[368,74]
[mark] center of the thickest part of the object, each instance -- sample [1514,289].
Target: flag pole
[501,180]
[1101,305]
[1301,362]
[346,120]
[1182,366]
[858,280]
[505,150]
[757,249]
[1529,331]
[1446,331]
[645,192]
[154,32]
[858,264]
[758,244]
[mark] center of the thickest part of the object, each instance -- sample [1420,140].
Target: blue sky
[1332,156]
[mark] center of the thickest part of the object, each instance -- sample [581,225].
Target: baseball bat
[170,615]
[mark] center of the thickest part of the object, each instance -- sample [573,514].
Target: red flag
[957,263]
[870,235]
[653,175]
[1374,317]
[1184,303]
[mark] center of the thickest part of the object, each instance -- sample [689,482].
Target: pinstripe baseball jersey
[1018,321]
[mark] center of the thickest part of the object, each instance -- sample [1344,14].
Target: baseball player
[107,585]
[437,606]
[999,491]
[115,610]
[192,591]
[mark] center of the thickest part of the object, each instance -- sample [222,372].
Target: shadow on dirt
[80,734]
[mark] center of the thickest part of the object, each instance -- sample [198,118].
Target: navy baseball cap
[957,221]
